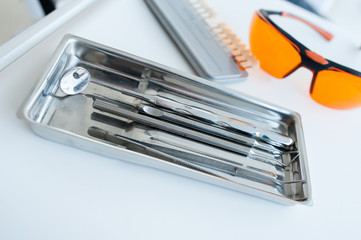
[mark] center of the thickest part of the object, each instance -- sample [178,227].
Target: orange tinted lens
[276,54]
[336,89]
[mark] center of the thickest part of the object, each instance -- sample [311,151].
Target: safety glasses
[333,85]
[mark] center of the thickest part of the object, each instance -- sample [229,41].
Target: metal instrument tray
[113,103]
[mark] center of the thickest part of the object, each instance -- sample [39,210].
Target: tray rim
[68,39]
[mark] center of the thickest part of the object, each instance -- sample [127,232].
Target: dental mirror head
[74,80]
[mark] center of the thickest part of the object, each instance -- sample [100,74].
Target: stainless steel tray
[109,102]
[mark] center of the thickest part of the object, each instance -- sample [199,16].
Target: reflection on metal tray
[115,104]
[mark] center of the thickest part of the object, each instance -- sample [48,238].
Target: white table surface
[52,191]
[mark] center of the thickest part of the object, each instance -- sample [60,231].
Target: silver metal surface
[193,36]
[74,80]
[160,139]
[196,161]
[178,130]
[209,129]
[273,138]
[105,115]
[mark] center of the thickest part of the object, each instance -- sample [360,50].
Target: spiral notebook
[214,51]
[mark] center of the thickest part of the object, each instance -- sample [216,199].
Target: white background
[52,191]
